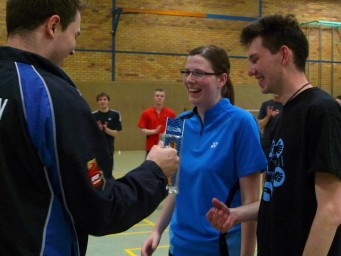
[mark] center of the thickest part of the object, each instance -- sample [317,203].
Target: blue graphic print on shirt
[275,175]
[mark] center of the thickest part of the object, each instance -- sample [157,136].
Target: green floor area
[130,241]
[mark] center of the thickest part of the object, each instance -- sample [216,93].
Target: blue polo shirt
[215,155]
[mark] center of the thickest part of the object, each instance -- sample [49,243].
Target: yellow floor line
[149,222]
[130,251]
[133,233]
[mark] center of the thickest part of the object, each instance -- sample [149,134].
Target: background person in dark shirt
[268,112]
[109,121]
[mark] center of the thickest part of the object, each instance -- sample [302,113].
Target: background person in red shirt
[153,119]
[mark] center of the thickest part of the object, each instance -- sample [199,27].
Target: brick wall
[151,49]
[138,36]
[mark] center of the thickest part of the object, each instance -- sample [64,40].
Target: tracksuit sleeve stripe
[38,109]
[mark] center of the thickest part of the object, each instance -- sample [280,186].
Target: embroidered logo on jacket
[95,175]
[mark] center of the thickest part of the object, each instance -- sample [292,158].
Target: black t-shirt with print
[307,139]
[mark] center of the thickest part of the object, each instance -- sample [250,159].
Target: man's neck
[292,85]
[158,107]
[29,42]
[104,110]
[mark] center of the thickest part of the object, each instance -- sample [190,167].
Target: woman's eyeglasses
[196,73]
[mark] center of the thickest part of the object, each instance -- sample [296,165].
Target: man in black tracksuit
[53,192]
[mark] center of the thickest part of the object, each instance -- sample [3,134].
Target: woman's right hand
[150,244]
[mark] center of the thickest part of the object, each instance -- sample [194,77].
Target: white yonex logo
[214,144]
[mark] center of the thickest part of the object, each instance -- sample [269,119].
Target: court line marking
[133,233]
[130,251]
[148,223]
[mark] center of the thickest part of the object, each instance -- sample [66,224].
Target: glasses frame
[196,73]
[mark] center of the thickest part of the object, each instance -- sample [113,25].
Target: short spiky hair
[102,94]
[159,90]
[26,15]
[277,30]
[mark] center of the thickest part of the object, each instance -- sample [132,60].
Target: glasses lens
[198,73]
[195,73]
[185,73]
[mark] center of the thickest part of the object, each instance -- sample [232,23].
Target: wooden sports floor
[130,241]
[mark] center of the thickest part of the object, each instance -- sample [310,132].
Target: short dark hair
[220,64]
[26,15]
[102,94]
[338,97]
[159,90]
[277,30]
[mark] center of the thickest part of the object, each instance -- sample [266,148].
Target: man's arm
[327,217]
[106,129]
[110,132]
[146,131]
[112,128]
[249,189]
[270,112]
[223,218]
[264,121]
[143,124]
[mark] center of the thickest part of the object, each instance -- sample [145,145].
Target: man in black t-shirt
[300,209]
[109,121]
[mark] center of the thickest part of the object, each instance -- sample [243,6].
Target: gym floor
[129,242]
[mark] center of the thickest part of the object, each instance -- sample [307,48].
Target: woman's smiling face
[203,91]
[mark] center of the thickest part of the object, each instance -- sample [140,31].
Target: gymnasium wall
[152,38]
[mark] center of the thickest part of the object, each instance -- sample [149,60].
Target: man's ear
[52,24]
[286,54]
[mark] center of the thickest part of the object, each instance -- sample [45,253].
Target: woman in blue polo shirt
[221,157]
